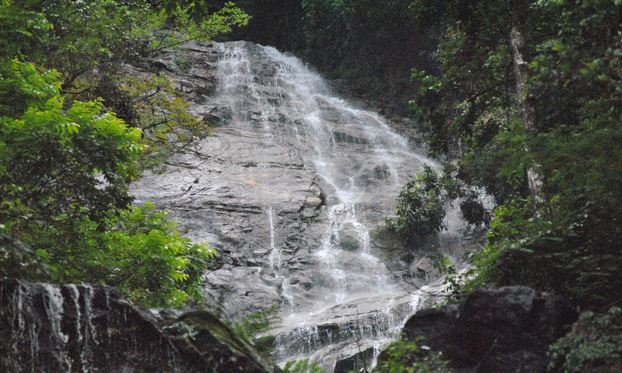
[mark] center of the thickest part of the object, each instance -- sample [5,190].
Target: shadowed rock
[494,330]
[81,328]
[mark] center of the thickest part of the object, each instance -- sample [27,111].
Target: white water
[362,162]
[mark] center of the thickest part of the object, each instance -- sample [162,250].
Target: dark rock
[161,65]
[494,330]
[74,328]
[356,362]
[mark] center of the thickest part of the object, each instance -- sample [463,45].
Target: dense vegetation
[532,109]
[420,208]
[66,160]
[526,99]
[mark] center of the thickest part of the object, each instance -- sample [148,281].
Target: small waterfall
[275,260]
[361,163]
[275,254]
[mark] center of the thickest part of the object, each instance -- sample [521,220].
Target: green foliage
[143,255]
[17,258]
[251,325]
[156,106]
[410,357]
[468,104]
[511,231]
[191,20]
[87,42]
[60,164]
[302,366]
[65,213]
[21,84]
[20,28]
[77,37]
[74,37]
[66,162]
[594,344]
[420,208]
[453,280]
[151,103]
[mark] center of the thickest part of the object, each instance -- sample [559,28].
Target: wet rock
[254,115]
[311,207]
[302,279]
[424,265]
[346,323]
[349,237]
[350,139]
[78,328]
[494,330]
[361,361]
[215,115]
[312,202]
[162,64]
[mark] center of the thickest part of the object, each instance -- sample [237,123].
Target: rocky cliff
[292,188]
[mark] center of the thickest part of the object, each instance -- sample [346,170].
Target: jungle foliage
[524,101]
[594,344]
[471,104]
[66,160]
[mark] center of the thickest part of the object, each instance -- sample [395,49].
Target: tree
[60,164]
[526,96]
[65,213]
[527,112]
[75,38]
[66,162]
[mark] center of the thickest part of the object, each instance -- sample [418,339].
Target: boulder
[357,362]
[73,328]
[494,330]
[424,265]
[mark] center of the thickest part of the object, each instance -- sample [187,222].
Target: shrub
[420,208]
[410,357]
[593,344]
[143,254]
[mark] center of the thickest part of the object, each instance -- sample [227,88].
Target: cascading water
[355,302]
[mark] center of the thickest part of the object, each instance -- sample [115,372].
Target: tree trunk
[527,112]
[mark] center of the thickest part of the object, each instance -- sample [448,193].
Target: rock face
[494,330]
[290,188]
[81,328]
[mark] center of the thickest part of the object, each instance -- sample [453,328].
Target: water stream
[361,163]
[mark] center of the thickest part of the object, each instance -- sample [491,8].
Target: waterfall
[361,163]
